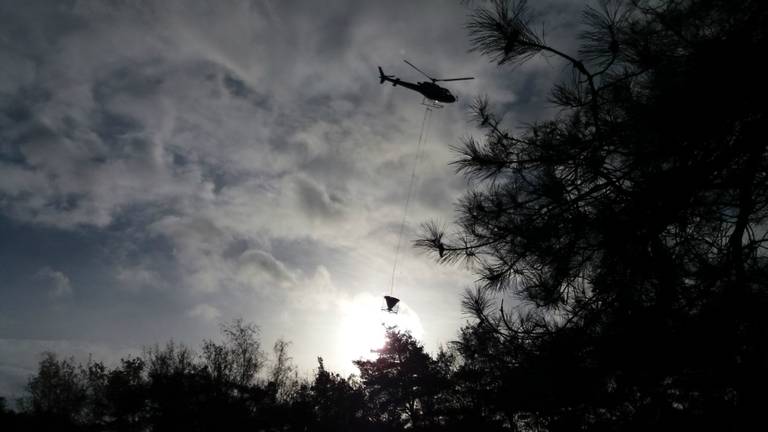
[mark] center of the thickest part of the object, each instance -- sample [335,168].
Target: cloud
[57,283]
[316,292]
[257,263]
[205,312]
[316,201]
[239,159]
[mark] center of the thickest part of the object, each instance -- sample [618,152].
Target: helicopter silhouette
[429,90]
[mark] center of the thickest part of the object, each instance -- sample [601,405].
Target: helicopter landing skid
[429,103]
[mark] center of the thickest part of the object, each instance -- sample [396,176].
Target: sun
[363,324]
[361,329]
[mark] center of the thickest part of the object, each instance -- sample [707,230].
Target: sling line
[423,134]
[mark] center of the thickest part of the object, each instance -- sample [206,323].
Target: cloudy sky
[167,166]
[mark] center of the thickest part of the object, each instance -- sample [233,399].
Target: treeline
[233,385]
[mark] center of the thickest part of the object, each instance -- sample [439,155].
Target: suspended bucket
[391,304]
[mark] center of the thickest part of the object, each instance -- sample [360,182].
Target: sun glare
[363,326]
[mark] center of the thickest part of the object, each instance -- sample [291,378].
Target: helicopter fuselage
[428,89]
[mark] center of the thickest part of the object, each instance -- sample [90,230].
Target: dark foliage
[403,386]
[630,229]
[172,388]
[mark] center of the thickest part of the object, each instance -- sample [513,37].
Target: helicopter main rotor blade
[456,79]
[422,72]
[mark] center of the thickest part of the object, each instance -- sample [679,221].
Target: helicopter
[430,90]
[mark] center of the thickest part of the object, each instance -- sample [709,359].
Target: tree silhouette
[124,396]
[338,404]
[630,228]
[244,349]
[283,374]
[171,387]
[402,383]
[58,393]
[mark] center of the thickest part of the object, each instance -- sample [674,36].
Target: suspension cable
[423,134]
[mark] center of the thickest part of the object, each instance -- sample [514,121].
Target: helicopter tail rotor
[383,77]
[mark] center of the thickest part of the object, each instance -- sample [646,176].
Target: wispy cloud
[57,283]
[205,312]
